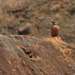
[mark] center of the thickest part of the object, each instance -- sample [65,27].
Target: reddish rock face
[25,55]
[55,30]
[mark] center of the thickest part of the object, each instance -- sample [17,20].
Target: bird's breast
[55,30]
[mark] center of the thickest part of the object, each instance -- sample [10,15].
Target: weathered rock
[29,14]
[24,55]
[24,29]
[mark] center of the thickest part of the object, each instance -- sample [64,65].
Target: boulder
[25,55]
[24,30]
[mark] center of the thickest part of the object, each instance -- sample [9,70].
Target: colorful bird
[54,29]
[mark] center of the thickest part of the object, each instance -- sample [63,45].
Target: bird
[54,29]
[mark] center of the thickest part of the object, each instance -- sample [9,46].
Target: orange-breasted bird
[54,29]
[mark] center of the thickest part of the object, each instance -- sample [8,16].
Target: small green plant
[72,11]
[73,3]
[73,45]
[29,31]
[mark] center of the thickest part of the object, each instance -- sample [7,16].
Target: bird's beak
[53,22]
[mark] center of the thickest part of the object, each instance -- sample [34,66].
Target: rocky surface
[25,55]
[16,13]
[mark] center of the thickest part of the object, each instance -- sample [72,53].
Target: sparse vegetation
[72,11]
[73,3]
[46,10]
[56,18]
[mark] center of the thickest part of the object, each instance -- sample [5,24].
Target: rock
[29,14]
[22,20]
[24,30]
[25,55]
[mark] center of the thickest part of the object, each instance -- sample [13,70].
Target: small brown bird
[54,29]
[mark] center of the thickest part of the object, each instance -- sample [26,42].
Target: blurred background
[32,17]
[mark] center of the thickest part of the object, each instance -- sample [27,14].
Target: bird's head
[53,22]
